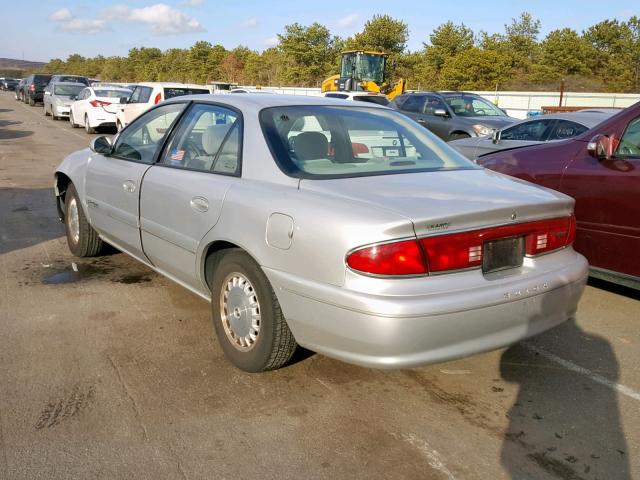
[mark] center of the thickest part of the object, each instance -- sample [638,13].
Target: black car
[33,89]
[8,84]
[452,115]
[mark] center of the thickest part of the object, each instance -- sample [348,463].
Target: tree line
[604,57]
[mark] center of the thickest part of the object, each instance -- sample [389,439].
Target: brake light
[158,98]
[458,251]
[99,103]
[397,258]
[359,149]
[32,88]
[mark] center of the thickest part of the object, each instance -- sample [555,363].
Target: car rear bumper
[395,331]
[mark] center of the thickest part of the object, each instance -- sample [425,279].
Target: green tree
[309,53]
[447,41]
[475,69]
[565,52]
[521,39]
[381,32]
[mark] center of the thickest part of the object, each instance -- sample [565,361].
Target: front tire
[73,124]
[87,126]
[458,136]
[83,240]
[247,318]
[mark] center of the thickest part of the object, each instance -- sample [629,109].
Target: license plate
[502,254]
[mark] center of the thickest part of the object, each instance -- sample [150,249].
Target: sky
[55,29]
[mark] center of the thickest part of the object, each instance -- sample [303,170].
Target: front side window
[473,106]
[533,131]
[207,140]
[414,104]
[432,104]
[329,142]
[140,140]
[629,146]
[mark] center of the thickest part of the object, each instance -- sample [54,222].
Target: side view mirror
[495,138]
[101,145]
[124,99]
[600,147]
[440,112]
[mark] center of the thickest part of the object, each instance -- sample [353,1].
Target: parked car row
[7,83]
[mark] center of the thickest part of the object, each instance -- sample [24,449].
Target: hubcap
[74,220]
[240,311]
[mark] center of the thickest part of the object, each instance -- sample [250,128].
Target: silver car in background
[58,96]
[533,131]
[347,229]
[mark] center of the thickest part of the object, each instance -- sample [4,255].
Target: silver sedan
[349,230]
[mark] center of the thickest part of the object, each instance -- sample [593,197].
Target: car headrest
[311,146]
[212,138]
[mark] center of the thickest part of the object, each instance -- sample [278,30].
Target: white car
[146,95]
[96,107]
[370,97]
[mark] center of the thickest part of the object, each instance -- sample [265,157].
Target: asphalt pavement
[110,371]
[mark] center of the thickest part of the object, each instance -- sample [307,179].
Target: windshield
[363,66]
[113,93]
[473,106]
[333,142]
[67,90]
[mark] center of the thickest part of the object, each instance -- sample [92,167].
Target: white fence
[517,104]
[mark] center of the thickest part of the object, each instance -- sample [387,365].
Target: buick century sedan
[347,229]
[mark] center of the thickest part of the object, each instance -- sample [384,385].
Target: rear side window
[566,129]
[414,104]
[378,100]
[208,139]
[145,94]
[178,92]
[333,142]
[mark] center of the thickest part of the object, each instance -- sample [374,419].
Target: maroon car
[601,170]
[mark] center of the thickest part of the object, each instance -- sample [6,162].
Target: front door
[137,104]
[113,182]
[182,195]
[607,194]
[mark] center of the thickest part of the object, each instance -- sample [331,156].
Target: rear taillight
[158,99]
[397,258]
[458,251]
[32,88]
[99,103]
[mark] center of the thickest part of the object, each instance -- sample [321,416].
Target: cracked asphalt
[110,371]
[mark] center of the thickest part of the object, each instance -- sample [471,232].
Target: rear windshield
[67,90]
[178,92]
[113,93]
[372,99]
[41,79]
[81,80]
[333,142]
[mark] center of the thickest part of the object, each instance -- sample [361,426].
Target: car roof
[171,85]
[258,102]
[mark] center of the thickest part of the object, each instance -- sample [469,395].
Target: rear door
[182,195]
[113,182]
[607,194]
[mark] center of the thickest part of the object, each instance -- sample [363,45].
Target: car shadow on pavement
[11,134]
[27,217]
[565,422]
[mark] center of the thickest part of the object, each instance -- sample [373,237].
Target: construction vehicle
[364,70]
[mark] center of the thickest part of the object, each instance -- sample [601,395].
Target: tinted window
[337,95]
[353,141]
[566,129]
[533,131]
[41,79]
[145,94]
[629,145]
[473,106]
[178,92]
[63,78]
[140,141]
[415,104]
[378,100]
[67,90]
[207,140]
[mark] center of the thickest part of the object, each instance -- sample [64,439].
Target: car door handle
[129,186]
[199,204]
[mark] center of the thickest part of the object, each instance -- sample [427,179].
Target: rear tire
[88,127]
[83,240]
[247,318]
[32,102]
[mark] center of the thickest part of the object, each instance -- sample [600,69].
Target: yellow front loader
[363,70]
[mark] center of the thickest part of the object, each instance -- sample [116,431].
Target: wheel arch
[60,186]
[210,256]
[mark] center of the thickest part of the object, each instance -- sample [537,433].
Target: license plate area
[502,254]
